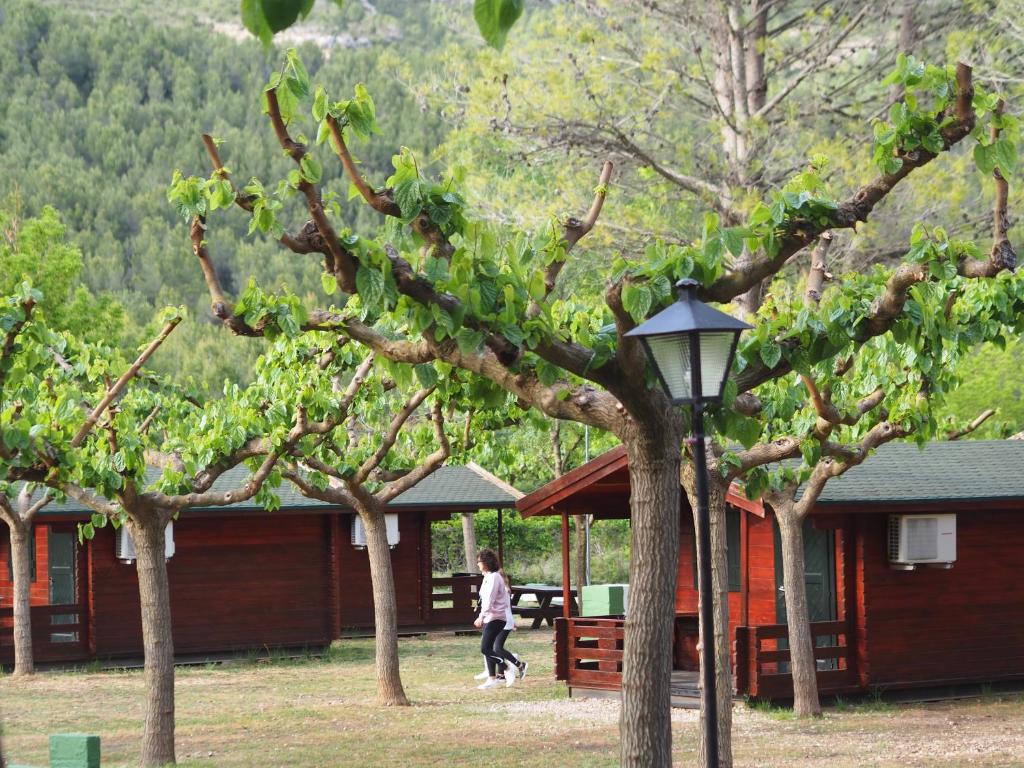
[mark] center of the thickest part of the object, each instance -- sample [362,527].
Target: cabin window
[732,548]
[31,557]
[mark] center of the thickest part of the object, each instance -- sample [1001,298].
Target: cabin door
[63,581]
[820,576]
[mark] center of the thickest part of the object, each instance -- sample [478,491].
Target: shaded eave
[601,487]
[551,498]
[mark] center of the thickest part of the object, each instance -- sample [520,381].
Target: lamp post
[691,347]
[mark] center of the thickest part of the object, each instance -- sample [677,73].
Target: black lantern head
[691,346]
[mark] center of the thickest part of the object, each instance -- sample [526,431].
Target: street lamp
[691,347]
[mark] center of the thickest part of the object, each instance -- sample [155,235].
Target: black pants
[492,646]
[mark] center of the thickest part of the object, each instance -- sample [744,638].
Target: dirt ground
[318,710]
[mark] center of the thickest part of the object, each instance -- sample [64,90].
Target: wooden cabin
[241,577]
[882,618]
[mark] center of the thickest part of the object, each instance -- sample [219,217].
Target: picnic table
[546,608]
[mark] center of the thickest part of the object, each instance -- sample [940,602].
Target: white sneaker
[510,673]
[488,683]
[481,675]
[522,669]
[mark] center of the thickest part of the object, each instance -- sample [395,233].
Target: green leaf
[636,299]
[495,18]
[771,353]
[469,341]
[280,14]
[311,170]
[426,374]
[733,239]
[320,104]
[407,196]
[985,158]
[256,22]
[1006,156]
[329,283]
[370,284]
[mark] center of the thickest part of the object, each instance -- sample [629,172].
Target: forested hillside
[101,106]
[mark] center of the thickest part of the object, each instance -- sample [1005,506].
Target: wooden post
[565,564]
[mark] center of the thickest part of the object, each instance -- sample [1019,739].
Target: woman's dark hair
[489,559]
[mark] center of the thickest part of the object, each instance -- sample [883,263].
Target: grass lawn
[320,712]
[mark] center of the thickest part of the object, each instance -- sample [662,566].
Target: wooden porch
[59,633]
[589,651]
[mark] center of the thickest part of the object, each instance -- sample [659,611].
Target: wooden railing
[453,598]
[588,652]
[762,664]
[58,633]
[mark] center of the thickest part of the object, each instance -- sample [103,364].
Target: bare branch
[980,419]
[810,67]
[383,202]
[344,268]
[575,230]
[390,436]
[93,502]
[847,457]
[958,120]
[819,269]
[425,469]
[122,382]
[764,453]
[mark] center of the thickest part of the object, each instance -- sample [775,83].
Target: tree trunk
[645,725]
[720,593]
[469,541]
[801,645]
[21,565]
[385,609]
[148,532]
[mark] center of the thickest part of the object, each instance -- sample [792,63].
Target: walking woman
[495,606]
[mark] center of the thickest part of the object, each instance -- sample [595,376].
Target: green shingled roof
[461,488]
[962,470]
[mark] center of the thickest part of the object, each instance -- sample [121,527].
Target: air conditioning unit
[359,532]
[124,547]
[922,540]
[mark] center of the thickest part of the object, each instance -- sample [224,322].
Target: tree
[48,439]
[33,357]
[367,446]
[459,292]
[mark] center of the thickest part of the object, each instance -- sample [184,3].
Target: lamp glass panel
[714,357]
[672,356]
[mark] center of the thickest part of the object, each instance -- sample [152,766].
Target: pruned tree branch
[980,419]
[957,121]
[819,273]
[426,468]
[122,382]
[344,265]
[575,230]
[383,202]
[388,441]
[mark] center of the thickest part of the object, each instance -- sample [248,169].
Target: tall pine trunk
[469,541]
[801,644]
[148,533]
[645,725]
[385,609]
[21,566]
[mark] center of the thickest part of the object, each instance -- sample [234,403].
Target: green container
[74,750]
[605,599]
